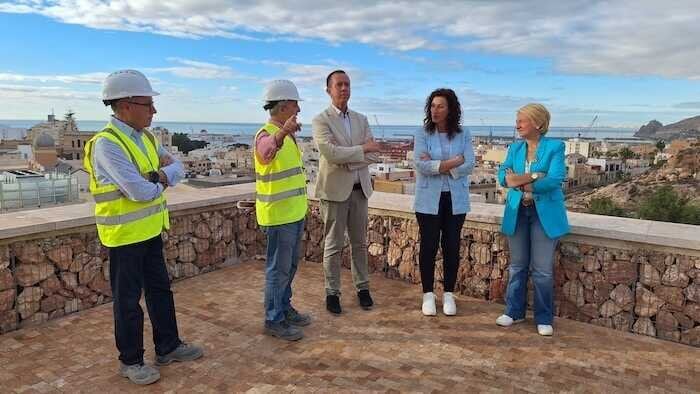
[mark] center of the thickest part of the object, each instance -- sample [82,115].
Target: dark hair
[328,78]
[454,112]
[269,105]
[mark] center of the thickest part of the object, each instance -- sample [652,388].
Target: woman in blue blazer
[535,216]
[444,158]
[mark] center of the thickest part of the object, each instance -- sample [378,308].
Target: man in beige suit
[343,186]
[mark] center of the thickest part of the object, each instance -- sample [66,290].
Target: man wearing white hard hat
[280,207]
[129,171]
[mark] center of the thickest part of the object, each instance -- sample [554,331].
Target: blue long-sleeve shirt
[113,166]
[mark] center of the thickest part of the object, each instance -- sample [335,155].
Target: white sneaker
[507,321]
[429,304]
[545,330]
[448,304]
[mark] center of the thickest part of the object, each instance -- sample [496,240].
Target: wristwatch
[534,176]
[153,177]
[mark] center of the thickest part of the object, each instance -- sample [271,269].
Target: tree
[185,144]
[665,205]
[605,206]
[660,145]
[626,154]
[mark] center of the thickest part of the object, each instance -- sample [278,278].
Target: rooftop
[391,348]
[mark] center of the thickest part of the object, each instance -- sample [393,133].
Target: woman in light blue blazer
[444,158]
[535,216]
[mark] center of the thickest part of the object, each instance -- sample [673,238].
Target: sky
[626,61]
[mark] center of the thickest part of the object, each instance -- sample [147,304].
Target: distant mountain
[689,127]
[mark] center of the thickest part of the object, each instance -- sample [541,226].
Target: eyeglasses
[151,104]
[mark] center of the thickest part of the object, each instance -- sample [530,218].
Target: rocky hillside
[689,127]
[681,172]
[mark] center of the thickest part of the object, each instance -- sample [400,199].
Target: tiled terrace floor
[392,348]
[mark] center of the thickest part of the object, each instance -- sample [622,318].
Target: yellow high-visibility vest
[121,221]
[280,185]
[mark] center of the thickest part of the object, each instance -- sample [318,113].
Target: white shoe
[545,330]
[429,304]
[507,321]
[448,304]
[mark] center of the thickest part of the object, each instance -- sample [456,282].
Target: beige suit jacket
[340,155]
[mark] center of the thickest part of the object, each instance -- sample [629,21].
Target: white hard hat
[281,89]
[126,83]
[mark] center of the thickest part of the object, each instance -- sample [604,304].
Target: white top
[348,130]
[445,146]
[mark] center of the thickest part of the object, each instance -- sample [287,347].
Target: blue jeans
[283,244]
[531,249]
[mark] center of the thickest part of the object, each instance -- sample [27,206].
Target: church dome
[44,141]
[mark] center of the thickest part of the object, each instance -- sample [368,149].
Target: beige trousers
[350,215]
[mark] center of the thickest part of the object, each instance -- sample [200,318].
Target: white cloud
[89,78]
[195,70]
[626,37]
[45,92]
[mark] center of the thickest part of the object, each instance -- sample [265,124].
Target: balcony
[621,286]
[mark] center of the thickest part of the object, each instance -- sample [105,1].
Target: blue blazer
[547,191]
[429,179]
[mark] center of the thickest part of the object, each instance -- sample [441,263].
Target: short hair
[538,114]
[328,78]
[454,112]
[275,106]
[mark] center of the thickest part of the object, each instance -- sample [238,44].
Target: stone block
[62,256]
[647,303]
[691,337]
[9,320]
[620,271]
[644,326]
[622,296]
[29,253]
[7,299]
[69,280]
[31,274]
[609,309]
[51,285]
[692,292]
[574,292]
[52,302]
[7,281]
[186,252]
[692,310]
[675,277]
[673,296]
[649,275]
[200,245]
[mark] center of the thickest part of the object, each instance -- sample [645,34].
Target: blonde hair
[538,114]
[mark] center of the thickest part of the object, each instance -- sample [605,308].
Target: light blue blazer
[428,177]
[547,191]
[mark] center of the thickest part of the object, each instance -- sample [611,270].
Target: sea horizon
[379,131]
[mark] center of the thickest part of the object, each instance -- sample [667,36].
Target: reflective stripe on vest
[131,216]
[108,196]
[279,175]
[281,196]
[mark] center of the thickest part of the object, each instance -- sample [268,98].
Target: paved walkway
[392,348]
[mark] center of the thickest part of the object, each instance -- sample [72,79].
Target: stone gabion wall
[636,290]
[51,276]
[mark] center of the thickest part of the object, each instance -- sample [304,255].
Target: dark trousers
[133,268]
[431,228]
